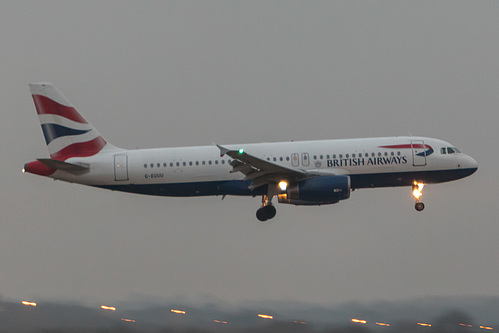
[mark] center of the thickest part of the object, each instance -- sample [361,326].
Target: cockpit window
[449,150]
[452,150]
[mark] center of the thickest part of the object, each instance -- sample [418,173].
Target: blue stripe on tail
[54,131]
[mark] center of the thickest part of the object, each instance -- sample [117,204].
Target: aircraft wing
[259,171]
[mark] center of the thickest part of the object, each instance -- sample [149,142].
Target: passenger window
[184,164]
[145,166]
[203,162]
[190,163]
[158,165]
[178,163]
[216,161]
[322,157]
[152,165]
[164,164]
[171,164]
[209,162]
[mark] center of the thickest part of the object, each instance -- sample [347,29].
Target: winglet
[223,150]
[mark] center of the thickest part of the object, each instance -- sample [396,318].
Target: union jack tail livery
[66,132]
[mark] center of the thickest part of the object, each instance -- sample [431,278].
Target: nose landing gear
[417,189]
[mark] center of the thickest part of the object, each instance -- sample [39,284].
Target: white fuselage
[190,171]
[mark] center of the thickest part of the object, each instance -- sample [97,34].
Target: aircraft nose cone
[469,162]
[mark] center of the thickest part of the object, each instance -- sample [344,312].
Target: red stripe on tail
[81,149]
[45,105]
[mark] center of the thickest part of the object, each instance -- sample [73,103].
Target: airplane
[316,172]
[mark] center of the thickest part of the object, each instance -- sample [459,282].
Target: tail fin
[66,132]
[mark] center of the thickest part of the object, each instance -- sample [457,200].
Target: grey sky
[157,73]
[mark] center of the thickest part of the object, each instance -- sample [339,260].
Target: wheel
[419,206]
[266,213]
[271,211]
[261,215]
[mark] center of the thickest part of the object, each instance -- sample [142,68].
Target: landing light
[360,321]
[417,188]
[283,185]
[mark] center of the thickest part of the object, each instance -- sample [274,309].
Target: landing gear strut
[267,211]
[417,189]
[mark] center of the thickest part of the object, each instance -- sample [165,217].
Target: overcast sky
[165,74]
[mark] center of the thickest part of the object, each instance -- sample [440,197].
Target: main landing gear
[267,211]
[417,189]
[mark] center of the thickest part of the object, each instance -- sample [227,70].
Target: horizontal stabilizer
[60,165]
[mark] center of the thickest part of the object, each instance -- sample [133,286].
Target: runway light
[382,324]
[359,321]
[177,311]
[110,308]
[28,303]
[283,185]
[486,328]
[264,316]
[465,325]
[220,321]
[300,322]
[128,320]
[424,324]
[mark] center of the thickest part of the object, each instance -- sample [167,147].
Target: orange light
[360,321]
[29,303]
[466,325]
[128,320]
[486,328]
[220,321]
[424,324]
[417,191]
[382,324]
[177,311]
[264,316]
[300,322]
[111,308]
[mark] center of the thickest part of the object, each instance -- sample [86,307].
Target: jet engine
[320,190]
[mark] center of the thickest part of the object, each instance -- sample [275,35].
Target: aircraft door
[295,159]
[418,153]
[121,167]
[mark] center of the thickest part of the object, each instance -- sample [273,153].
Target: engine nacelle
[321,190]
